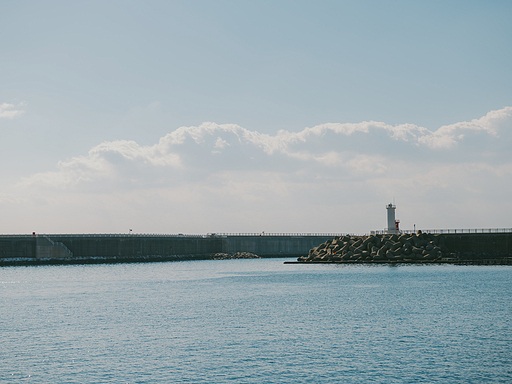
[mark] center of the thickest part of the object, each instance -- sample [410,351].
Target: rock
[367,241]
[403,238]
[403,247]
[237,255]
[357,243]
[360,249]
[336,248]
[345,248]
[393,245]
[407,250]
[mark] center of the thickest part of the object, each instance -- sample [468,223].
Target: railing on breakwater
[449,231]
[102,235]
[253,234]
[477,230]
[256,234]
[128,246]
[276,234]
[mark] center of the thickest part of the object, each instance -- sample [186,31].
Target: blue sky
[292,116]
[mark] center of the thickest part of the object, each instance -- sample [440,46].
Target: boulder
[419,246]
[357,243]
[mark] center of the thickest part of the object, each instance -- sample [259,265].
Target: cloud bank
[330,177]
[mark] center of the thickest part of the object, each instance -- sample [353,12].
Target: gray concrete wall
[479,242]
[46,248]
[138,245]
[15,246]
[273,245]
[83,246]
[141,246]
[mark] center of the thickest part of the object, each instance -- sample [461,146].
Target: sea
[255,321]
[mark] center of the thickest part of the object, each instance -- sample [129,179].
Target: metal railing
[220,234]
[101,235]
[476,230]
[17,235]
[448,231]
[255,234]
[275,234]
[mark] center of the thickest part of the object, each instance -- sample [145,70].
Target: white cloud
[9,111]
[215,177]
[448,136]
[220,144]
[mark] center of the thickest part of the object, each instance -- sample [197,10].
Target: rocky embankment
[418,247]
[237,255]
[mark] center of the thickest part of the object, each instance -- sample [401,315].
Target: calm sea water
[255,321]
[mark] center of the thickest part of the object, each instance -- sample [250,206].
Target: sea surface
[255,321]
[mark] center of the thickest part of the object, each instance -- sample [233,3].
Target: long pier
[113,248]
[100,248]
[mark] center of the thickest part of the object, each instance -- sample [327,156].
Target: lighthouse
[392,223]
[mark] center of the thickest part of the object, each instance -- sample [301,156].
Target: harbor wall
[414,248]
[274,245]
[479,243]
[138,245]
[17,246]
[15,249]
[112,247]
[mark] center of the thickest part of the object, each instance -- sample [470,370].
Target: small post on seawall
[392,223]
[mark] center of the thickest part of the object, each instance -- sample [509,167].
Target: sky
[254,116]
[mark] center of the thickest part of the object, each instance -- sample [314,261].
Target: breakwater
[114,248]
[462,248]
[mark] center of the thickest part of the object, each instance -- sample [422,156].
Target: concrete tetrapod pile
[417,247]
[237,255]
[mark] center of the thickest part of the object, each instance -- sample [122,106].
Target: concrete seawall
[67,248]
[480,243]
[466,248]
[273,245]
[17,246]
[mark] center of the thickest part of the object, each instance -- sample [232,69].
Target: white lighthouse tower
[392,223]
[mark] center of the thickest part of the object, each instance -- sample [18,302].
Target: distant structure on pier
[393,224]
